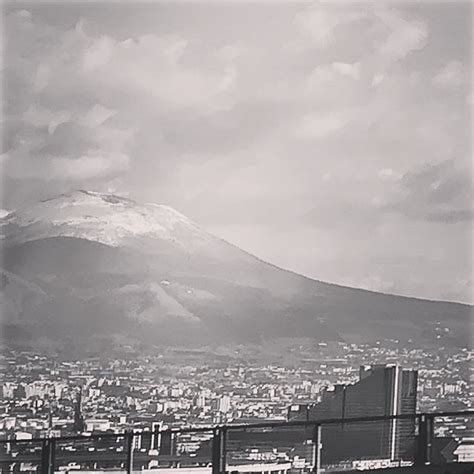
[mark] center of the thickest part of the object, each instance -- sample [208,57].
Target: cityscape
[182,387]
[185,388]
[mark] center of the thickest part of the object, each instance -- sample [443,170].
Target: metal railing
[311,444]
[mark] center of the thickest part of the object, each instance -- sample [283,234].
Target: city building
[224,404]
[79,424]
[382,390]
[465,451]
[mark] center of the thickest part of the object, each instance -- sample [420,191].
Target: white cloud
[388,174]
[153,66]
[42,117]
[94,165]
[435,192]
[174,48]
[332,77]
[89,166]
[228,79]
[346,69]
[97,115]
[450,76]
[377,80]
[98,54]
[392,34]
[42,77]
[403,35]
[125,110]
[320,126]
[321,22]
[231,52]
[69,136]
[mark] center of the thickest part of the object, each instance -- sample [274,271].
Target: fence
[306,446]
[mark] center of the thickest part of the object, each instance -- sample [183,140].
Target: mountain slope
[88,263]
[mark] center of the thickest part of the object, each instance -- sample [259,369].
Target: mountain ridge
[118,198]
[109,256]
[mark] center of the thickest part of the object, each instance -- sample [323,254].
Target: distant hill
[85,265]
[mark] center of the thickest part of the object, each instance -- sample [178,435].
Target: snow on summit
[101,217]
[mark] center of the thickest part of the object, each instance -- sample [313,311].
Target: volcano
[88,264]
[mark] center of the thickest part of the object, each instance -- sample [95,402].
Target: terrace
[422,443]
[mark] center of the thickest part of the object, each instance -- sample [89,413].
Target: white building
[97,425]
[465,450]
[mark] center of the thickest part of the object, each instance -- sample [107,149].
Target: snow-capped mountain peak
[105,218]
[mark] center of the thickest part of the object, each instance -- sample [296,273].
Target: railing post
[129,446]
[424,440]
[44,455]
[219,450]
[317,445]
[52,455]
[47,456]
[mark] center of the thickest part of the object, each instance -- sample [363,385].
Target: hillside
[87,264]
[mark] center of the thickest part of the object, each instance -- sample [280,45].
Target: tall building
[224,404]
[79,424]
[382,390]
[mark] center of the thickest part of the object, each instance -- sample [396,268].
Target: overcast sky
[329,139]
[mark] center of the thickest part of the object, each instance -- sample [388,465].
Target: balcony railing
[295,446]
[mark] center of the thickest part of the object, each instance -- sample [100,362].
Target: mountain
[85,266]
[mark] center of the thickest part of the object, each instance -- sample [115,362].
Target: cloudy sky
[331,139]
